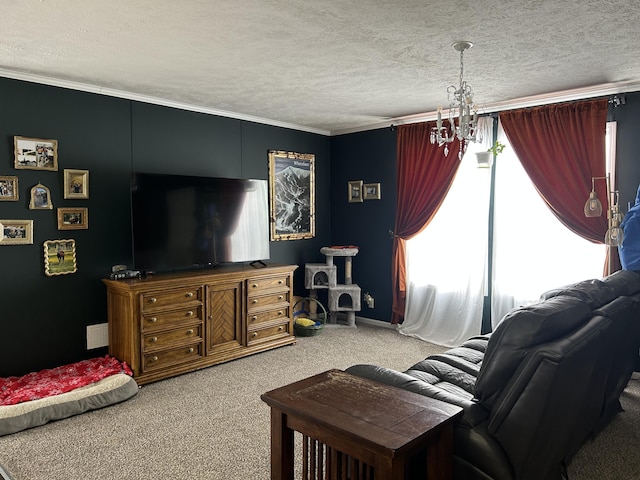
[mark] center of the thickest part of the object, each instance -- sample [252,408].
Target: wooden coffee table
[356,428]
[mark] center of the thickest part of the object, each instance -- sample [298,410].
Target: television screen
[181,221]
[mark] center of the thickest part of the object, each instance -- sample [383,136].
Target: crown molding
[85,87]
[523,102]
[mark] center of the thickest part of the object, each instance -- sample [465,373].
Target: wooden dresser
[169,324]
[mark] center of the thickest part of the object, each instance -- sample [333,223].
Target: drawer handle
[189,313]
[153,319]
[191,350]
[190,331]
[280,297]
[254,318]
[280,313]
[255,285]
[153,359]
[280,282]
[254,301]
[153,300]
[153,339]
[280,328]
[255,334]
[189,295]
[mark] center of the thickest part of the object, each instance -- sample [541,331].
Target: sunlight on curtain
[446,263]
[533,251]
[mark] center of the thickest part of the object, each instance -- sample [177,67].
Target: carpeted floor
[211,424]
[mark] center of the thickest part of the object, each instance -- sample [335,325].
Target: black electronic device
[183,222]
[123,274]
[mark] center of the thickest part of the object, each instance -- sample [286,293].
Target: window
[447,263]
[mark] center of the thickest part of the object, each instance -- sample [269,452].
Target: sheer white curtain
[533,251]
[446,263]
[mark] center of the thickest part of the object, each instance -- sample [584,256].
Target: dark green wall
[43,319]
[368,156]
[628,149]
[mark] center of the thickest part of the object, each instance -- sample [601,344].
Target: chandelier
[461,105]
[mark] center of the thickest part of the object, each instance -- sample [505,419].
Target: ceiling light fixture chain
[462,106]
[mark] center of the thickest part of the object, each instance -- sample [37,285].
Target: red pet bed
[40,397]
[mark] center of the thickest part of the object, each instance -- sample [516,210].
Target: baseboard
[342,320]
[374,322]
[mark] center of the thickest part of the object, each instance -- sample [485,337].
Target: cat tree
[342,297]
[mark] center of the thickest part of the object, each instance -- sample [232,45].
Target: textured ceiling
[328,65]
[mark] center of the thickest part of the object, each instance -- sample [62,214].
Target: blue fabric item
[629,250]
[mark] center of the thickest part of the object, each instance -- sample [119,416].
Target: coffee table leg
[281,447]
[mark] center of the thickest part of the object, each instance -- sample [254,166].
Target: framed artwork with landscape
[35,153]
[59,257]
[291,195]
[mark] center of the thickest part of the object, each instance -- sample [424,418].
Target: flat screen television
[183,222]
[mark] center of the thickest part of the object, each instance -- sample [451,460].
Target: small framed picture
[371,191]
[16,232]
[8,189]
[76,183]
[59,257]
[355,191]
[40,198]
[73,219]
[35,153]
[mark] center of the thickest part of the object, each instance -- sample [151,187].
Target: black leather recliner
[534,390]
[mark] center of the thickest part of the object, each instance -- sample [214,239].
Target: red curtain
[424,176]
[561,147]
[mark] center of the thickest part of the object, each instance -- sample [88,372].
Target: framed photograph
[291,195]
[40,198]
[355,191]
[73,219]
[371,191]
[16,232]
[76,183]
[8,189]
[35,153]
[59,257]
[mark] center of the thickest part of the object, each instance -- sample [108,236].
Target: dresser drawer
[170,338]
[166,358]
[257,318]
[153,300]
[255,285]
[175,317]
[269,333]
[254,303]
